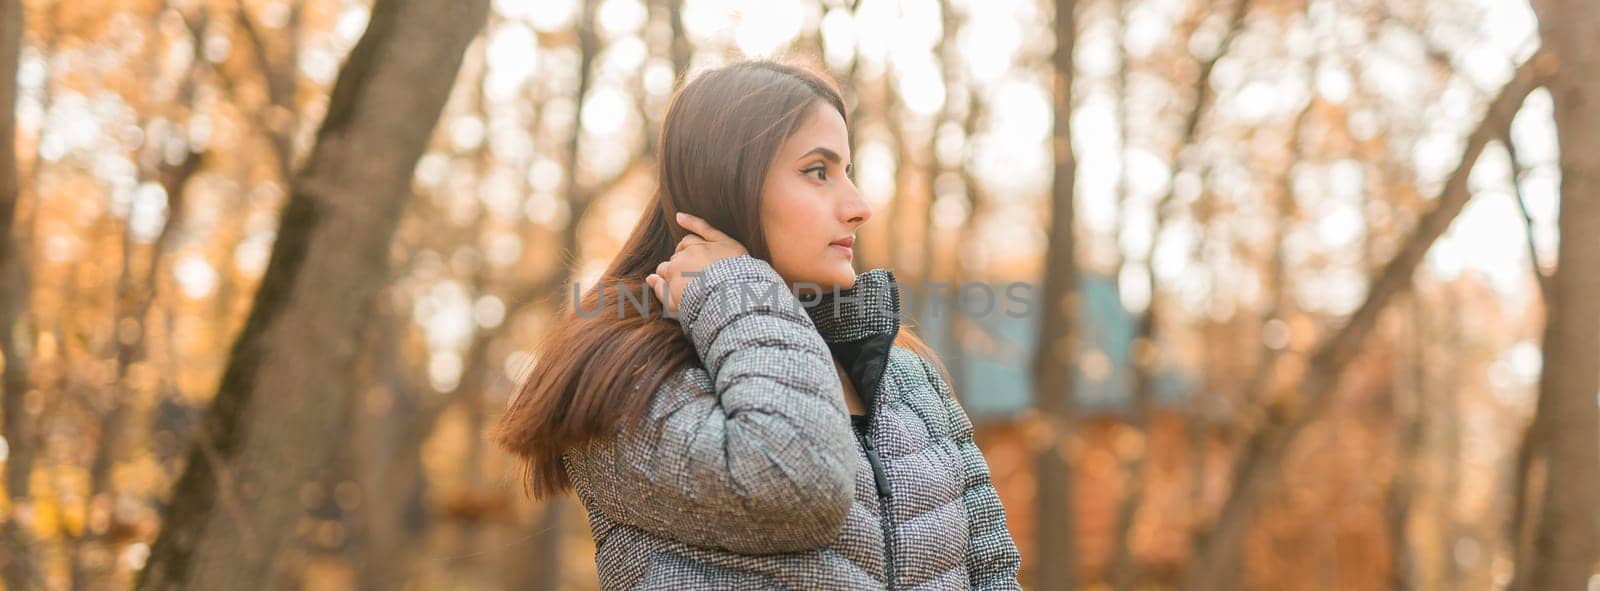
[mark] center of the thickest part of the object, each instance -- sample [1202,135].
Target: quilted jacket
[747,473]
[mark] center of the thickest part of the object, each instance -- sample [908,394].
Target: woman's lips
[844,245]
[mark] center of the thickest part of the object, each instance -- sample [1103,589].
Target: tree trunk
[1056,349]
[135,298]
[1411,411]
[1527,470]
[957,322]
[1567,536]
[382,453]
[15,331]
[548,530]
[289,376]
[1145,356]
[1449,420]
[1261,457]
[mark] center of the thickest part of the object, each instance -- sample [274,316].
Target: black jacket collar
[860,325]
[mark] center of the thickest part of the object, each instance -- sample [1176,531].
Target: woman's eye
[822,172]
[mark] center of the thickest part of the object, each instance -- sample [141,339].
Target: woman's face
[809,203]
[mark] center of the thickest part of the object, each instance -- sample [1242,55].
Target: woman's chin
[824,274]
[845,278]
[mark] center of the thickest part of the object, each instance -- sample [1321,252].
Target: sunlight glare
[620,17]
[875,173]
[838,38]
[989,42]
[547,16]
[920,85]
[605,111]
[513,58]
[195,276]
[762,31]
[148,211]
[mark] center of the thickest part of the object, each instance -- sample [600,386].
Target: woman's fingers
[701,233]
[657,285]
[688,241]
[701,227]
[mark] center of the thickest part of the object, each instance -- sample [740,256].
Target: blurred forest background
[1326,274]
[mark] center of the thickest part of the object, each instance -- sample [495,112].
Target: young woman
[701,399]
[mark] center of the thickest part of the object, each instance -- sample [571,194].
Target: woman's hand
[704,245]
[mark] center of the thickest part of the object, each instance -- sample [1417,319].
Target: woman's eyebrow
[831,155]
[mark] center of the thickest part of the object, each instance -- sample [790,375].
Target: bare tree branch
[1517,172]
[1257,468]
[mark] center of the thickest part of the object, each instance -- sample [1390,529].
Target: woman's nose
[856,210]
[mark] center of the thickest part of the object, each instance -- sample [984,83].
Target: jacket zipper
[881,479]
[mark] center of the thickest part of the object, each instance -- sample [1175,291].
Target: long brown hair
[594,369]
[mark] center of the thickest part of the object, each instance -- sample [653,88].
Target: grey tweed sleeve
[992,556]
[752,454]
